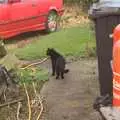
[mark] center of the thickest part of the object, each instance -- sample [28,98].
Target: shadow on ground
[25,36]
[21,40]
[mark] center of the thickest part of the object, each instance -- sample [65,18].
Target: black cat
[58,63]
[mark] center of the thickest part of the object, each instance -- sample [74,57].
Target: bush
[30,75]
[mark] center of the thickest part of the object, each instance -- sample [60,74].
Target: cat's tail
[66,70]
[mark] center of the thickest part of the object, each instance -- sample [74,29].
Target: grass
[33,74]
[74,41]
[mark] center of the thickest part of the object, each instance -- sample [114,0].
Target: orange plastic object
[116,71]
[116,34]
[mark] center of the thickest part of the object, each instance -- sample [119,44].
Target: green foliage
[9,61]
[32,75]
[70,42]
[90,50]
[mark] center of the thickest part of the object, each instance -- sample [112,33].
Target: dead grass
[73,16]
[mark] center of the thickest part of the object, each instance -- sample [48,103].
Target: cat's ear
[48,49]
[52,49]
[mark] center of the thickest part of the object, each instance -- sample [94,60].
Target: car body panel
[26,15]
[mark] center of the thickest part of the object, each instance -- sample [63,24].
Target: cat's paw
[57,77]
[53,74]
[62,77]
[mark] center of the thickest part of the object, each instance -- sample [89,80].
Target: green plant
[32,75]
[90,50]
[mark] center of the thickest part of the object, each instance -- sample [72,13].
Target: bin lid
[104,7]
[108,3]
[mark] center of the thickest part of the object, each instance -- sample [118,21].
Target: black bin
[105,19]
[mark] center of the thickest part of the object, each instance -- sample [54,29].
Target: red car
[18,16]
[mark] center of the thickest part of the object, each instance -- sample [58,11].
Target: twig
[12,102]
[35,63]
[41,105]
[28,99]
[34,88]
[41,109]
[18,110]
[3,88]
[4,94]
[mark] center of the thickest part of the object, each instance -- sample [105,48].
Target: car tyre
[52,22]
